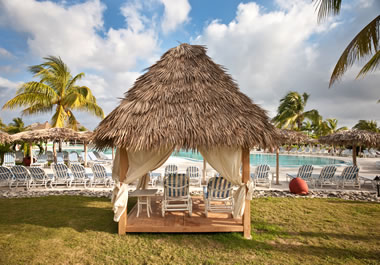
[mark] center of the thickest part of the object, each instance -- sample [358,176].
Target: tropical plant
[364,44]
[16,126]
[56,89]
[291,114]
[367,126]
[2,125]
[330,126]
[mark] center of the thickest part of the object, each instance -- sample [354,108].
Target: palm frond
[327,7]
[76,78]
[364,44]
[37,108]
[72,122]
[26,99]
[371,65]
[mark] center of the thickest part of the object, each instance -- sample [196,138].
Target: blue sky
[270,47]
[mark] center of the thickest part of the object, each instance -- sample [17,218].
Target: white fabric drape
[139,164]
[227,161]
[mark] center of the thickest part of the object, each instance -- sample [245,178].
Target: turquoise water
[270,159]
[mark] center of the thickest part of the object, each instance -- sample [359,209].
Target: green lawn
[80,230]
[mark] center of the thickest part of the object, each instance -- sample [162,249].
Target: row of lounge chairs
[35,176]
[93,157]
[327,176]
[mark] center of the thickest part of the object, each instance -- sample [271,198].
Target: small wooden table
[143,198]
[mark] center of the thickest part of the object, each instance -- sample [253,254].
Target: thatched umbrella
[185,100]
[4,137]
[354,138]
[62,134]
[288,137]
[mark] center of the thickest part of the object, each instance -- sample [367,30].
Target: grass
[80,230]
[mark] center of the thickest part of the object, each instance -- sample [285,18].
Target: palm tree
[367,126]
[291,112]
[364,44]
[56,89]
[16,126]
[2,125]
[330,126]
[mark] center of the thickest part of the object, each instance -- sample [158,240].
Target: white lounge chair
[101,176]
[21,177]
[218,196]
[73,158]
[304,172]
[6,177]
[19,156]
[42,161]
[176,194]
[326,177]
[79,176]
[60,159]
[61,174]
[194,175]
[39,177]
[9,159]
[349,177]
[261,175]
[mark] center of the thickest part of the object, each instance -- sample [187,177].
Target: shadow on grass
[77,212]
[339,201]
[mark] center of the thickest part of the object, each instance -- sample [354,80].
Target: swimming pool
[270,159]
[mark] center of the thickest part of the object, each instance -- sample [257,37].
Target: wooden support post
[354,154]
[247,209]
[123,164]
[204,171]
[46,145]
[277,166]
[113,153]
[31,153]
[85,153]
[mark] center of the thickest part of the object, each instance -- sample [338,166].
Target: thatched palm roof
[47,134]
[292,137]
[348,137]
[4,137]
[185,100]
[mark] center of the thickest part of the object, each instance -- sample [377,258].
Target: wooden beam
[354,154]
[247,209]
[113,153]
[277,166]
[54,152]
[31,153]
[123,164]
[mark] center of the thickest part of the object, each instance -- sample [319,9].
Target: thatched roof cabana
[186,100]
[4,137]
[354,138]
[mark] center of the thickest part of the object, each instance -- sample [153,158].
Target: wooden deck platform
[180,222]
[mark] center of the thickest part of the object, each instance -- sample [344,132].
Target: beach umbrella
[288,137]
[352,137]
[61,134]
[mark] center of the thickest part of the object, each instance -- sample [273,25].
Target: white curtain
[139,164]
[227,161]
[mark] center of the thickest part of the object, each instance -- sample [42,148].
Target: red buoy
[298,186]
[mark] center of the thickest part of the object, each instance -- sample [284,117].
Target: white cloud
[8,84]
[271,53]
[5,53]
[176,13]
